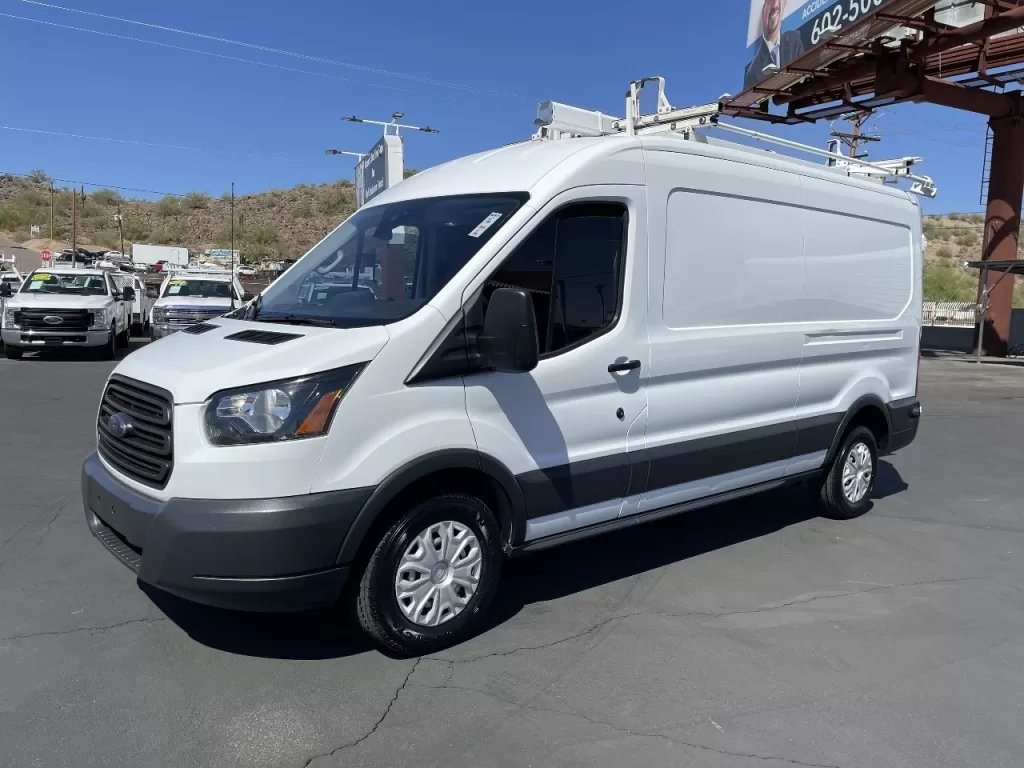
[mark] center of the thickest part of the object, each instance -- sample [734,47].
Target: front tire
[431,576]
[13,353]
[845,492]
[109,350]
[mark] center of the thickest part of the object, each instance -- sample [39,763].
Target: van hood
[58,301]
[192,367]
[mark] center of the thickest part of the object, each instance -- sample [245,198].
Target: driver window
[572,267]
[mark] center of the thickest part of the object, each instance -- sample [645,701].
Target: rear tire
[443,597]
[124,338]
[13,353]
[845,491]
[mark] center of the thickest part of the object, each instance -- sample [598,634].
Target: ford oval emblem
[53,319]
[118,425]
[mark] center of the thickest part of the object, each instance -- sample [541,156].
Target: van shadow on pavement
[535,578]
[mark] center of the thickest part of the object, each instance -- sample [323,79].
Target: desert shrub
[196,201]
[169,205]
[942,283]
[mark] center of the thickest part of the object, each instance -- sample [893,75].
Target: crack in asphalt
[601,624]
[61,505]
[44,402]
[631,732]
[806,600]
[374,727]
[101,628]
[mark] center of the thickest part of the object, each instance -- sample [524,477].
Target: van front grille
[139,441]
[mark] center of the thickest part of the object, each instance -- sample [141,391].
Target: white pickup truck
[66,307]
[145,297]
[191,296]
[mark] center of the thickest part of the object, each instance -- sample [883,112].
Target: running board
[657,514]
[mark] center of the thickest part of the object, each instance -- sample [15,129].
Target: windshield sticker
[176,282]
[484,225]
[41,276]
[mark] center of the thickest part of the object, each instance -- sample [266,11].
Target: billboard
[380,168]
[781,31]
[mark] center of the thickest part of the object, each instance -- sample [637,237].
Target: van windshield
[385,262]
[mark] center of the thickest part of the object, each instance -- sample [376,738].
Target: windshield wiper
[319,322]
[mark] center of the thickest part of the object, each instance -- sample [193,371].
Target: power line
[283,52]
[95,184]
[142,143]
[206,53]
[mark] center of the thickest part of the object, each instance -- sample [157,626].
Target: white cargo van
[573,336]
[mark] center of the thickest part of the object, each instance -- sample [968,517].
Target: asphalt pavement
[754,634]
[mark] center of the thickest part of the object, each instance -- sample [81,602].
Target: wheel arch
[455,469]
[869,411]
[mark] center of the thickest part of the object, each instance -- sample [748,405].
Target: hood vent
[200,328]
[263,337]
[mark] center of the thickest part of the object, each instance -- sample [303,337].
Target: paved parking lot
[749,635]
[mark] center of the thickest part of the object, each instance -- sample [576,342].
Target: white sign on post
[34,229]
[381,168]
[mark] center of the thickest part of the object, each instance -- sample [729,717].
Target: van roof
[522,167]
[512,168]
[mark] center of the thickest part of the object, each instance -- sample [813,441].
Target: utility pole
[855,137]
[74,228]
[120,226]
[51,211]
[232,245]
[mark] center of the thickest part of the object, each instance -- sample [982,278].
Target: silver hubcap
[857,473]
[438,574]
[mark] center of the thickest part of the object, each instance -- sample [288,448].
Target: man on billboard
[774,48]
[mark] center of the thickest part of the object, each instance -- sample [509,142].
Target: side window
[572,266]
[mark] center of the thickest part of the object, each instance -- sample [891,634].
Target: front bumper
[36,338]
[243,554]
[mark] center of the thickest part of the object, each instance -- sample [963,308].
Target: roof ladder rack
[562,121]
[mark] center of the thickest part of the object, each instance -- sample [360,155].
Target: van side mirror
[128,293]
[247,296]
[509,339]
[5,290]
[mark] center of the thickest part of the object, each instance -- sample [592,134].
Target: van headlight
[280,410]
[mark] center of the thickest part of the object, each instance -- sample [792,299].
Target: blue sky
[504,57]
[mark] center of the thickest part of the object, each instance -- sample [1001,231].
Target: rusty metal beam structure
[862,69]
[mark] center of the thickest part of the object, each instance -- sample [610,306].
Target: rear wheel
[845,492]
[123,339]
[13,353]
[431,576]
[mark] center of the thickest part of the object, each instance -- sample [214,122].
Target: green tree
[169,205]
[943,283]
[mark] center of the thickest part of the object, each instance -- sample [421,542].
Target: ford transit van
[507,352]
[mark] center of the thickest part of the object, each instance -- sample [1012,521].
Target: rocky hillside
[284,223]
[280,223]
[952,240]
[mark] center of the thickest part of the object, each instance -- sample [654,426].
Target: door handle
[629,365]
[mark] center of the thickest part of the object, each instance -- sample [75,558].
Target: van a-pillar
[1002,225]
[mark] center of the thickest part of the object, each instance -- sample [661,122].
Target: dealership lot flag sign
[781,31]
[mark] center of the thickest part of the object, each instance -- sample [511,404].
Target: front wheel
[13,353]
[845,492]
[109,350]
[432,576]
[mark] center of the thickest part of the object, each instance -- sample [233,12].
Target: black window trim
[584,201]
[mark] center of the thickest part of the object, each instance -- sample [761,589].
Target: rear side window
[572,265]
